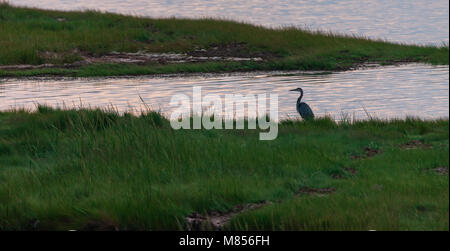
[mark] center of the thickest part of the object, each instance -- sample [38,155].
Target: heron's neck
[300,98]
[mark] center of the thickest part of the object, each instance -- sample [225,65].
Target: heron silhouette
[302,108]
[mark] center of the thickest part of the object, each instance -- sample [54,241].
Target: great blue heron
[303,108]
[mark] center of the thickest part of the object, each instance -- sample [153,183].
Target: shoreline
[90,43]
[367,66]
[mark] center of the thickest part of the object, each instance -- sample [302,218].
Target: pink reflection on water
[385,92]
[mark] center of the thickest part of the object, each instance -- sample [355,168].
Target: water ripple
[386,92]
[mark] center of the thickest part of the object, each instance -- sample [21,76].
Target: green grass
[78,168]
[26,33]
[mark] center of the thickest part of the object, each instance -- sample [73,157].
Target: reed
[98,169]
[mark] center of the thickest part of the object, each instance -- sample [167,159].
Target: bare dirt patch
[337,176]
[441,170]
[142,58]
[349,170]
[315,191]
[414,145]
[234,50]
[215,220]
[369,152]
[160,58]
[29,66]
[421,208]
[356,157]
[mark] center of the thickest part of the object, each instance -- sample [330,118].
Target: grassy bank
[88,169]
[36,37]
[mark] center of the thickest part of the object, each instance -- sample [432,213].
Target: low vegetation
[98,170]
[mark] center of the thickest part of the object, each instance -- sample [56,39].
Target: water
[406,21]
[384,92]
[388,92]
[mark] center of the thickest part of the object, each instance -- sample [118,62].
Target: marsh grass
[27,34]
[97,169]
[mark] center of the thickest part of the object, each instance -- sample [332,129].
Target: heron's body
[302,108]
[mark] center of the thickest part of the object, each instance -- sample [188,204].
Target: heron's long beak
[293,90]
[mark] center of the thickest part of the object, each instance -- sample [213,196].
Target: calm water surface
[407,21]
[385,92]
